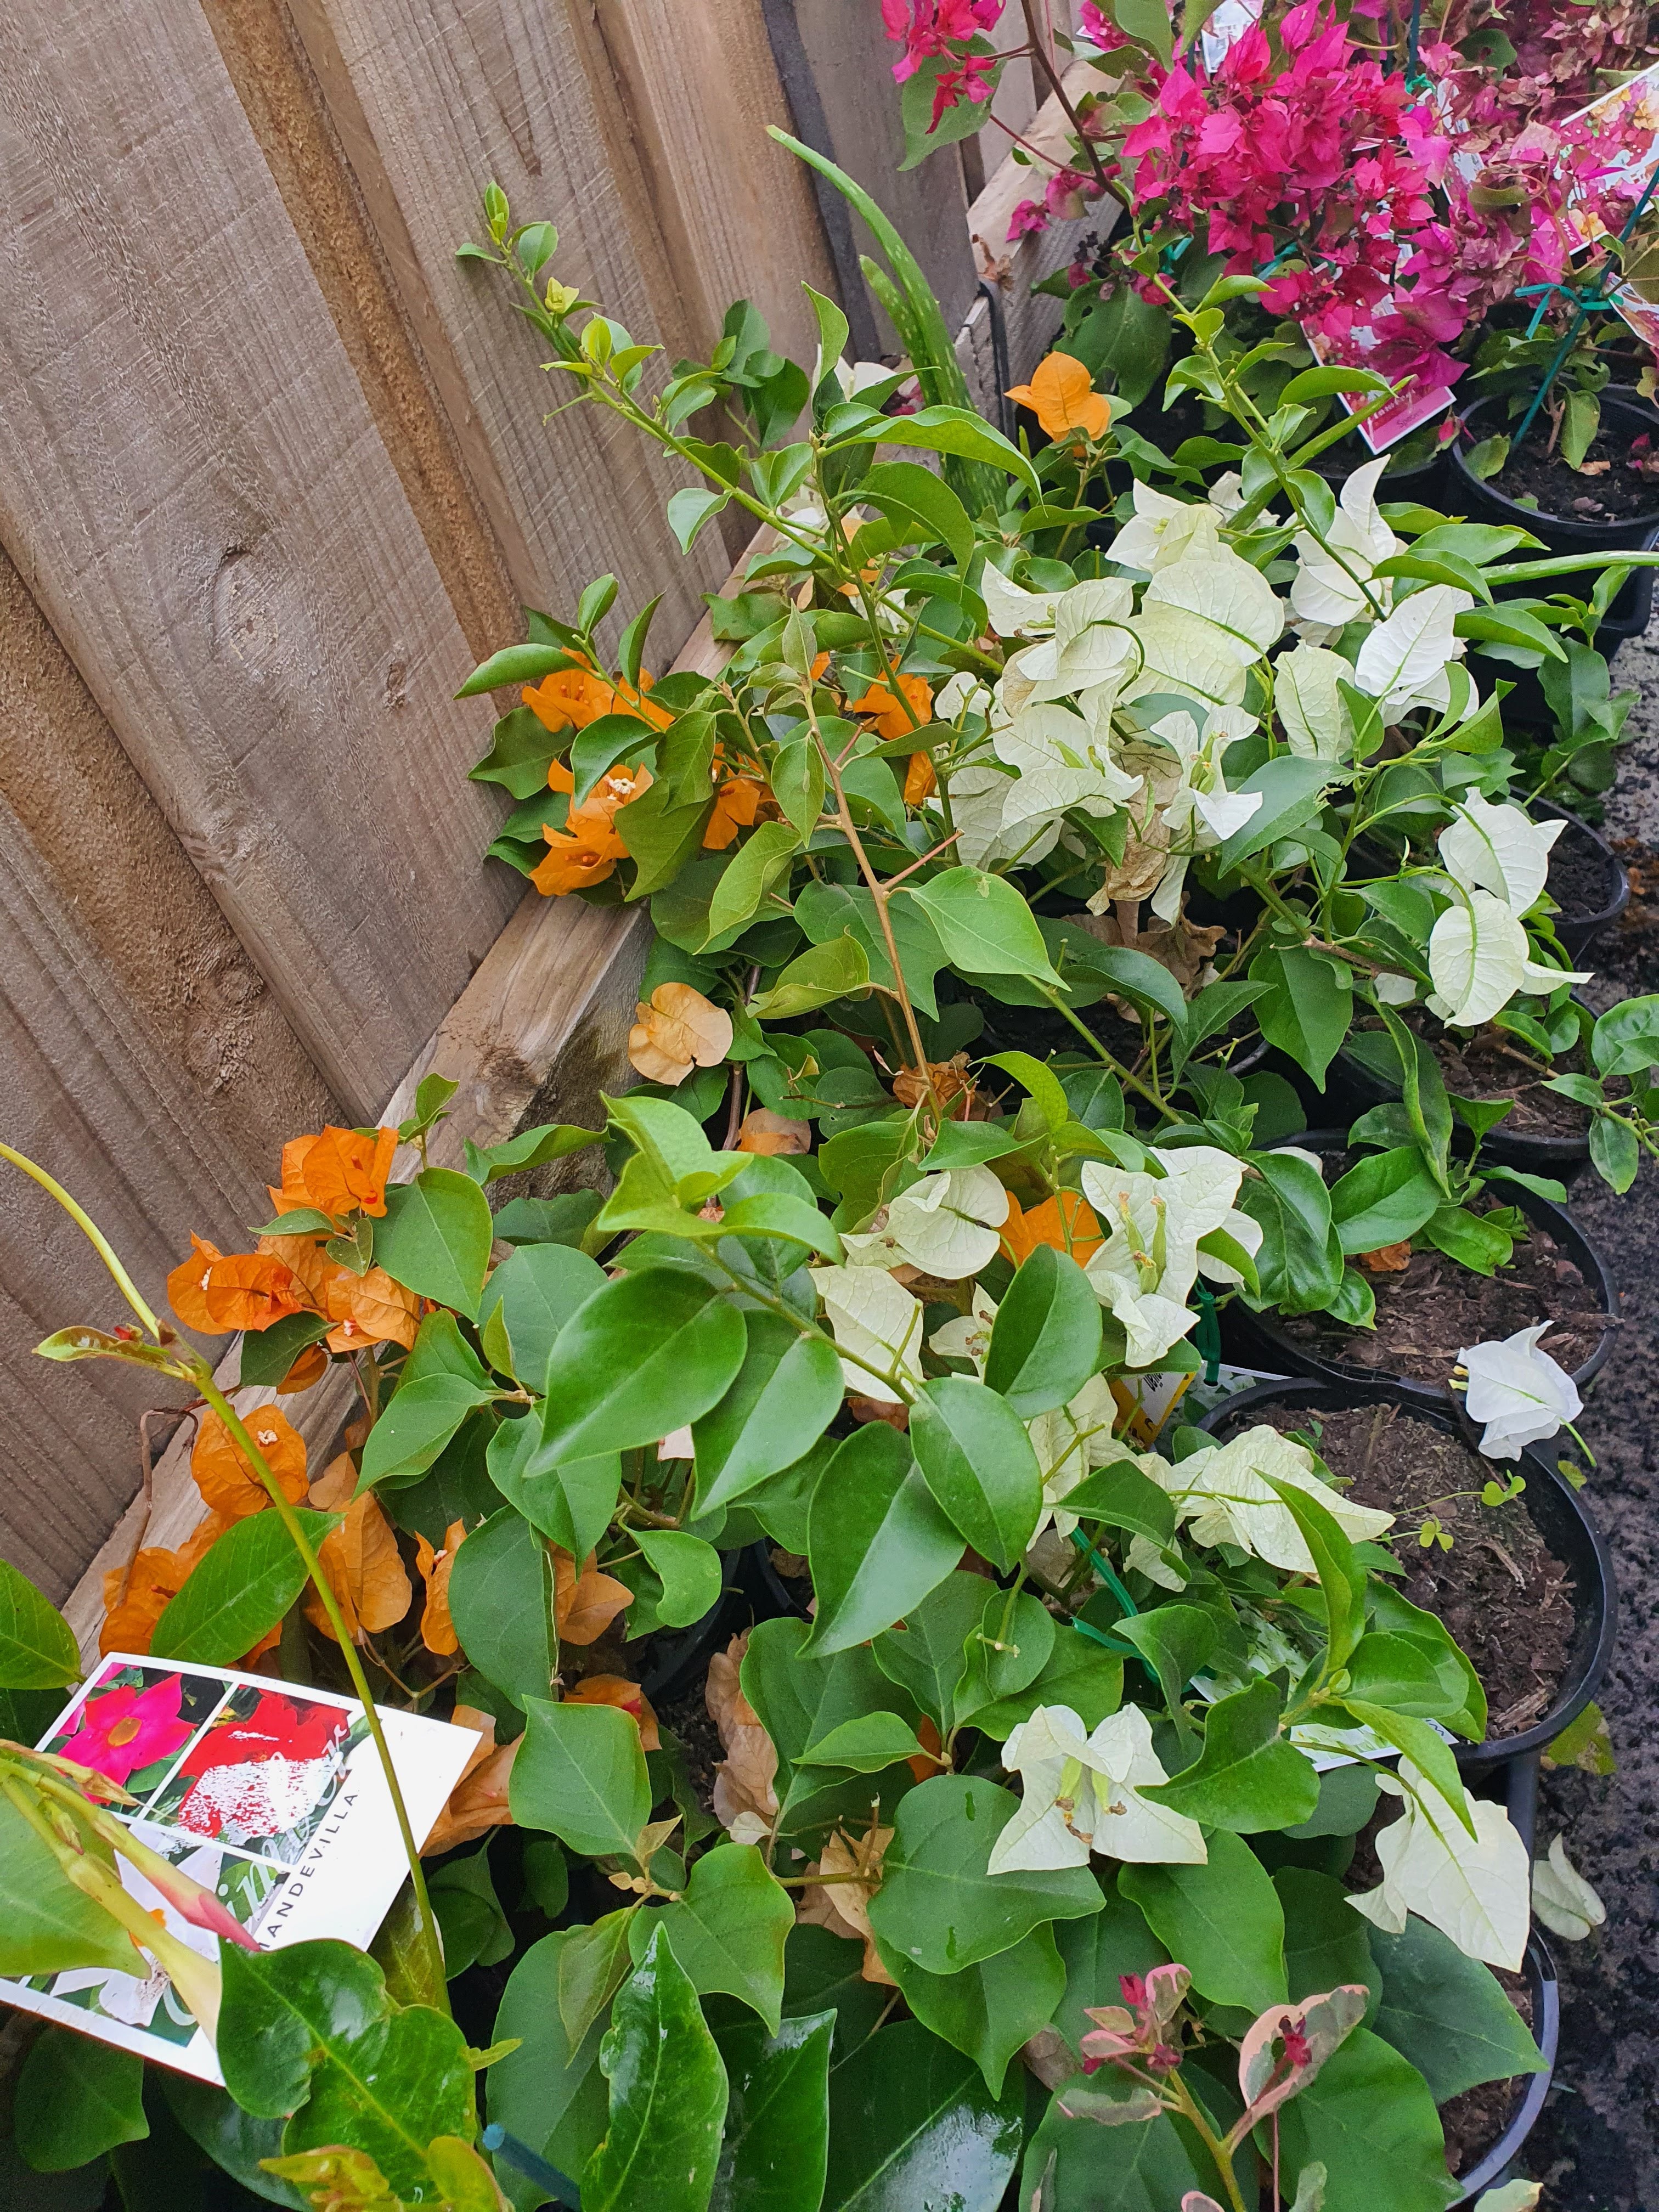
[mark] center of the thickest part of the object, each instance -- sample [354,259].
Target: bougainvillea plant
[1050,1683]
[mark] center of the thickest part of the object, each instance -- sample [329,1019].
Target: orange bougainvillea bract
[228,1484]
[576,696]
[213,1291]
[157,1579]
[437,1629]
[1062,397]
[338,1172]
[675,1030]
[890,719]
[360,1558]
[586,850]
[1067,1221]
[627,1696]
[585,1604]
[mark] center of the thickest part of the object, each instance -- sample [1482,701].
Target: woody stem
[256,1459]
[1044,61]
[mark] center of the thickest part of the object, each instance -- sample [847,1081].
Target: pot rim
[1539,1969]
[1314,1367]
[1599,1605]
[1627,396]
[1603,917]
[1516,1150]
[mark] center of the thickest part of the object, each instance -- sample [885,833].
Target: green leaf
[1077,1673]
[950,430]
[1471,1239]
[540,2092]
[536,1290]
[689,1570]
[913,2129]
[435,1238]
[1626,1039]
[1429,1753]
[865,1745]
[728,1931]
[1367,2118]
[309,2030]
[814,978]
[242,1586]
[1134,975]
[876,1540]
[233,2139]
[800,1699]
[1123,1498]
[1424,1092]
[530,1148]
[501,1600]
[906,489]
[1306,1008]
[1447,2015]
[1323,1948]
[469,1916]
[515,665]
[1342,1579]
[977,1460]
[668,2096]
[1348,1798]
[519,759]
[823,1973]
[1150,2166]
[1393,1671]
[569,1502]
[1045,1341]
[1250,1778]
[1383,1200]
[829,911]
[1222,1920]
[37,1650]
[1010,1649]
[777,2119]
[1175,1641]
[267,1353]
[1039,1080]
[937,1904]
[928,1653]
[1293,788]
[1397,1617]
[984,925]
[689,509]
[1300,1262]
[986,2011]
[642,1357]
[580,1775]
[783,1397]
[753,868]
[593,1967]
[1615,1152]
[75,2100]
[46,1923]
[415,1428]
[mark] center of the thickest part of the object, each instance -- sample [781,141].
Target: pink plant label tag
[1401,417]
[270,1795]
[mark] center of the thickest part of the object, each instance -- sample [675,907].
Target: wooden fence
[273,474]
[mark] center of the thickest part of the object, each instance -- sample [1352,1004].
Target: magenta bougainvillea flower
[126,1729]
[927,29]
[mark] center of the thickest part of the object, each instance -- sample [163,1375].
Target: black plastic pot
[1623,409]
[1578,932]
[1260,1340]
[678,1656]
[1557,1513]
[1540,1970]
[1353,1087]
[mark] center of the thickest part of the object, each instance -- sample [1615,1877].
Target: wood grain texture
[736,209]
[194,487]
[147,1066]
[431,100]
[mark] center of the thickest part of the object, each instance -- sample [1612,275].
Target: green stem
[1122,1073]
[93,1233]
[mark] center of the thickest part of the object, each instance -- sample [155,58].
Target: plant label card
[1401,417]
[270,1795]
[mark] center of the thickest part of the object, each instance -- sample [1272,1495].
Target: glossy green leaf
[1429,1753]
[668,2096]
[1447,2015]
[75,2100]
[593,1967]
[1342,1578]
[1306,1008]
[530,1148]
[1223,1920]
[912,2127]
[435,1238]
[1292,788]
[865,1745]
[242,1586]
[908,486]
[876,1540]
[1250,1776]
[539,2093]
[641,1357]
[727,1930]
[816,977]
[267,1353]
[474,1926]
[822,1973]
[1077,1673]
[37,1650]
[1394,1615]
[1175,1641]
[235,2139]
[580,1775]
[801,1697]
[937,1904]
[927,1653]
[689,1570]
[1323,1948]
[988,2010]
[571,1502]
[1368,2119]
[1012,1646]
[777,2115]
[1348,1798]
[985,926]
[781,1400]
[1299,1265]
[977,1460]
[1383,1200]
[1123,1498]
[1150,2166]
[309,2030]
[46,1923]
[1045,1341]
[417,1427]
[536,1290]
[501,1600]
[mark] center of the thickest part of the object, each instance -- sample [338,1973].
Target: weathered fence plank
[194,487]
